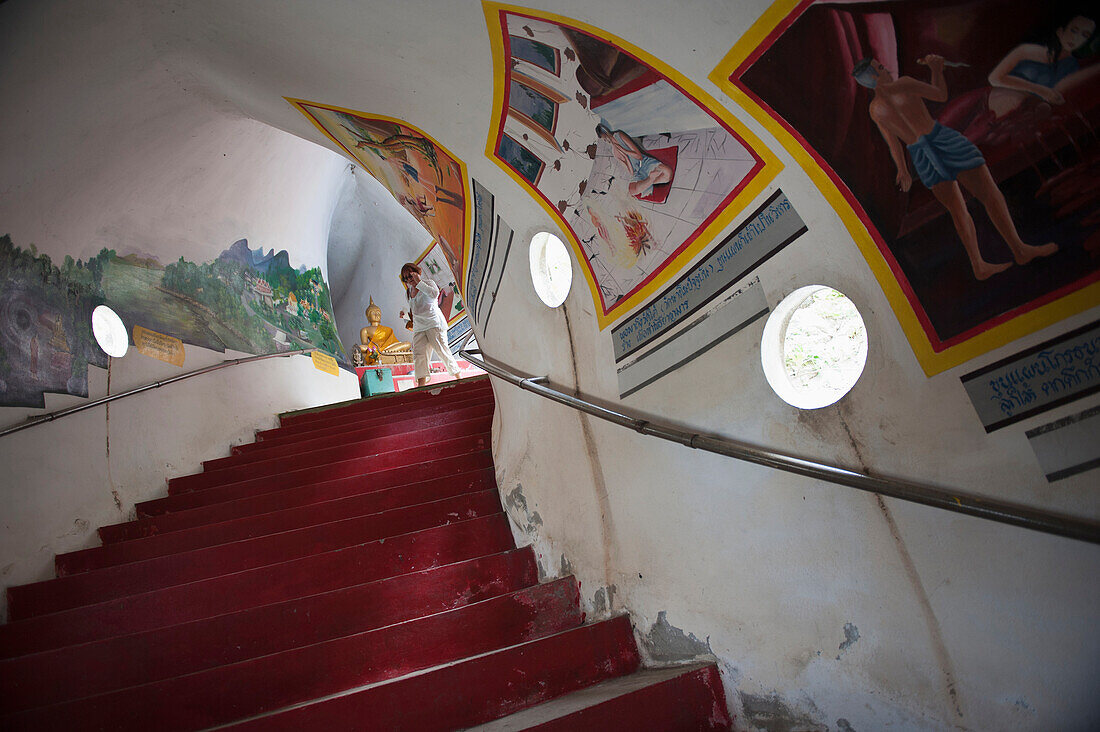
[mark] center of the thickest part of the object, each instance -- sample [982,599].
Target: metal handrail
[990,509]
[42,419]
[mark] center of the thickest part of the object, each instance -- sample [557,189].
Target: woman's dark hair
[1054,44]
[408,267]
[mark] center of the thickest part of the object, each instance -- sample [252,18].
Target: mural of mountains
[239,252]
[264,262]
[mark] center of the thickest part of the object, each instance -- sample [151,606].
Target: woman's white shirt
[425,308]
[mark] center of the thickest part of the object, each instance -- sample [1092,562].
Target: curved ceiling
[422,61]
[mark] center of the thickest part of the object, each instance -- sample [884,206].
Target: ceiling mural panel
[424,177]
[639,165]
[962,153]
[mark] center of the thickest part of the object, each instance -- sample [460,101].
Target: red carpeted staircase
[352,569]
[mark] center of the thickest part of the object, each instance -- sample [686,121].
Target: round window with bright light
[814,347]
[551,269]
[109,331]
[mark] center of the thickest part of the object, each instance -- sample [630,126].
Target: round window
[814,347]
[551,269]
[109,331]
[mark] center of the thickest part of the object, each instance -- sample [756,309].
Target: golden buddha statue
[381,338]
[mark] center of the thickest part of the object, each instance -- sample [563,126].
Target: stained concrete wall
[826,608]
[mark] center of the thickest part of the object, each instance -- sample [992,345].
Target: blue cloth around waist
[942,154]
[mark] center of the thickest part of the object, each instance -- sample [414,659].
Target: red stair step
[376,448]
[263,586]
[78,671]
[473,691]
[110,583]
[677,699]
[201,700]
[436,394]
[385,496]
[349,433]
[354,572]
[440,393]
[467,454]
[378,438]
[344,469]
[336,425]
[251,527]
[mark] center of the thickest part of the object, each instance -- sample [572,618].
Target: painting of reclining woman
[964,134]
[638,165]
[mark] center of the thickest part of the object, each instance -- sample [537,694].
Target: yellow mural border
[771,163]
[467,189]
[931,361]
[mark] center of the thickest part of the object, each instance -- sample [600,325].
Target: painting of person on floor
[942,157]
[644,169]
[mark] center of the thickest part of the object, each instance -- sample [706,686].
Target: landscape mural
[640,167]
[246,300]
[963,135]
[426,179]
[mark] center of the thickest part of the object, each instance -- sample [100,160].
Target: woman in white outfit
[428,325]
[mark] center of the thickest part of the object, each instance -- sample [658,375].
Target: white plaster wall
[63,480]
[105,147]
[371,235]
[962,624]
